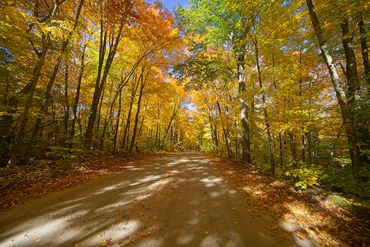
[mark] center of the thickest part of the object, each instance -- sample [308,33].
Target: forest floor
[22,183]
[168,199]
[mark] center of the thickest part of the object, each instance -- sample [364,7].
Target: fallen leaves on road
[301,214]
[23,183]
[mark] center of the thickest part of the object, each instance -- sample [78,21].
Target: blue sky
[171,4]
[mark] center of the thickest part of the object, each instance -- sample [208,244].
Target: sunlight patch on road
[138,194]
[146,179]
[194,221]
[117,205]
[150,242]
[195,218]
[136,169]
[195,168]
[172,173]
[184,239]
[215,194]
[111,188]
[114,233]
[194,202]
[158,185]
[72,201]
[211,181]
[299,234]
[37,220]
[38,214]
[304,242]
[289,226]
[203,161]
[36,235]
[306,225]
[174,163]
[211,241]
[59,228]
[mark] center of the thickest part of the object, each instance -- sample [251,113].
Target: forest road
[177,199]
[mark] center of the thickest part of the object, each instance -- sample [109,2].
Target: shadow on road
[174,200]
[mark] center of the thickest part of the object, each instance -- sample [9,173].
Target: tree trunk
[67,106]
[292,144]
[108,115]
[246,145]
[236,140]
[227,141]
[128,121]
[281,151]
[47,97]
[142,84]
[266,116]
[345,105]
[99,115]
[31,92]
[102,78]
[364,51]
[98,88]
[77,95]
[354,92]
[6,121]
[117,121]
[156,141]
[213,127]
[176,107]
[141,125]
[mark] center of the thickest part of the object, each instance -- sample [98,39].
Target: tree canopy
[282,85]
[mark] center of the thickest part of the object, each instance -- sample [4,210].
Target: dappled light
[124,209]
[310,221]
[179,199]
[211,181]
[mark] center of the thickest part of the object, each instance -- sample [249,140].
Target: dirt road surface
[172,200]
